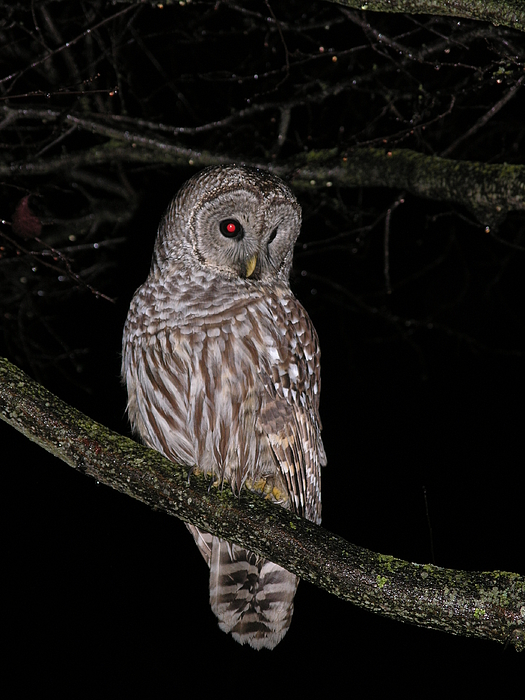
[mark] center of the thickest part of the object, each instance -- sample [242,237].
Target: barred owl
[221,364]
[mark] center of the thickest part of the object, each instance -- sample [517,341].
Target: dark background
[422,399]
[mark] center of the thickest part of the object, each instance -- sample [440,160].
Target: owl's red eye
[231,228]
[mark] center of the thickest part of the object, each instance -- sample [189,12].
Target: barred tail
[251,597]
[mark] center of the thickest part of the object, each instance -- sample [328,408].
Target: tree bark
[489,605]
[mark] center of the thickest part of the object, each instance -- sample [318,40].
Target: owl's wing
[289,414]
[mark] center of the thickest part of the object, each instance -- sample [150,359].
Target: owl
[222,368]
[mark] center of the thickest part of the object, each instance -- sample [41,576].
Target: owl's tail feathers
[251,597]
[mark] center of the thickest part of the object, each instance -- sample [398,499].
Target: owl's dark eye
[231,228]
[272,235]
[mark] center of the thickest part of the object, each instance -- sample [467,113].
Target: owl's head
[232,220]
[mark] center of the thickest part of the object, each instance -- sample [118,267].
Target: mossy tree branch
[489,191]
[510,13]
[489,605]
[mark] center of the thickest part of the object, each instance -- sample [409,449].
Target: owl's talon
[191,471]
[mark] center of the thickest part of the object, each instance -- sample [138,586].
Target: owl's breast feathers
[229,383]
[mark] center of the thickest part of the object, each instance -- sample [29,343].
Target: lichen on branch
[489,605]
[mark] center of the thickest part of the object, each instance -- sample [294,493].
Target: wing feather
[290,407]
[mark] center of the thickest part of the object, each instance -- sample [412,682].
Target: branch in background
[489,191]
[510,13]
[490,605]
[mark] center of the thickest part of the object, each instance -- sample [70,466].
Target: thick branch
[510,13]
[489,605]
[489,191]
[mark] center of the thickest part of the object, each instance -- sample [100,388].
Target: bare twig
[386,241]
[485,118]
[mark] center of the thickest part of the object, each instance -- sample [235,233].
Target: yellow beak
[250,265]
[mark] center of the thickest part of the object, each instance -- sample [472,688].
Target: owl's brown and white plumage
[221,364]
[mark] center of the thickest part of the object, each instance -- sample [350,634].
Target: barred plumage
[221,364]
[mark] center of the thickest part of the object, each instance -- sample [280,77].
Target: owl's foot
[213,479]
[267,488]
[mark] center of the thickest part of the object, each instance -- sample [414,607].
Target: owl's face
[233,220]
